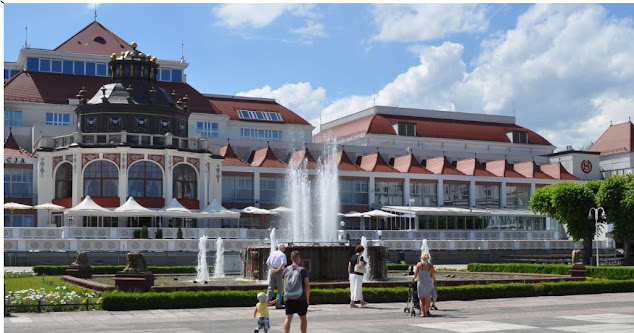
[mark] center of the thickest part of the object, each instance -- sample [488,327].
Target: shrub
[136,233]
[59,270]
[159,233]
[179,233]
[397,267]
[611,273]
[118,301]
[144,232]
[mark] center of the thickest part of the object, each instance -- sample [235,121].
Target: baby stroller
[412,299]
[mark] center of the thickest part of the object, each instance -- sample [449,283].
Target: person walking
[356,276]
[276,263]
[296,292]
[426,275]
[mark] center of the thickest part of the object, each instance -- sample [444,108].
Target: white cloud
[423,22]
[567,70]
[309,31]
[299,97]
[240,15]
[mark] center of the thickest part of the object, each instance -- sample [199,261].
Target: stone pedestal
[578,271]
[82,272]
[134,282]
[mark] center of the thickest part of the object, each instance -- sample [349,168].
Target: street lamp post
[596,225]
[341,231]
[411,202]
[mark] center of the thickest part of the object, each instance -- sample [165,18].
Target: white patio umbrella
[14,205]
[132,208]
[378,213]
[49,207]
[215,209]
[255,211]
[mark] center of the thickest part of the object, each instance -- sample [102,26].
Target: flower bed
[40,300]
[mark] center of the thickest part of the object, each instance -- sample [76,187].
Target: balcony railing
[136,139]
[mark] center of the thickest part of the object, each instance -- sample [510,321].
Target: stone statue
[576,257]
[81,260]
[136,263]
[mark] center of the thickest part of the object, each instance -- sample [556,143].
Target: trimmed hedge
[59,270]
[119,301]
[398,267]
[607,272]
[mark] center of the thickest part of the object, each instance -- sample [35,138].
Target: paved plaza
[581,313]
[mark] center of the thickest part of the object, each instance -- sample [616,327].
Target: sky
[565,71]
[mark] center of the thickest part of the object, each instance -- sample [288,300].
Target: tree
[144,232]
[569,203]
[179,233]
[616,196]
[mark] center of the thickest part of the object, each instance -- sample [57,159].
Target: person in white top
[276,263]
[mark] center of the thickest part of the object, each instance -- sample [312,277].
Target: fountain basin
[325,262]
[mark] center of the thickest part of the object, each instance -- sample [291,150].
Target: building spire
[95,12]
[182,51]
[26,35]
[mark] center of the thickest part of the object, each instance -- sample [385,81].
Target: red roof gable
[471,167]
[435,128]
[557,171]
[54,88]
[408,164]
[374,162]
[345,164]
[502,168]
[440,165]
[12,149]
[265,158]
[94,39]
[230,105]
[529,169]
[616,139]
[298,156]
[231,159]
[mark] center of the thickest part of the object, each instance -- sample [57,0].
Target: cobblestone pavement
[580,313]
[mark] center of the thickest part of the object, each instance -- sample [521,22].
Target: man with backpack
[296,292]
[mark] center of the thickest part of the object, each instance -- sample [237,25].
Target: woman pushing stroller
[426,275]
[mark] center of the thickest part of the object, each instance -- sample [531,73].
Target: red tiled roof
[408,164]
[471,167]
[12,149]
[502,168]
[94,39]
[435,128]
[54,88]
[265,158]
[231,159]
[529,169]
[557,171]
[298,156]
[345,164]
[440,165]
[616,139]
[230,106]
[374,162]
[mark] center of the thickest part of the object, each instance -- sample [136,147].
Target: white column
[202,181]
[406,190]
[503,194]
[168,186]
[371,190]
[123,179]
[256,187]
[77,179]
[472,193]
[532,188]
[440,194]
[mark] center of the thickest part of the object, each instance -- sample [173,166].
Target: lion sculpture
[81,260]
[576,257]
[136,263]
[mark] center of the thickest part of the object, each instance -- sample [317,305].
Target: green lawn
[49,283]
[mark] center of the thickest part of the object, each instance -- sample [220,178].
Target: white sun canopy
[215,210]
[87,207]
[456,211]
[378,213]
[255,210]
[133,208]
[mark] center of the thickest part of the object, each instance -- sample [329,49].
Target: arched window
[64,181]
[185,184]
[101,179]
[145,180]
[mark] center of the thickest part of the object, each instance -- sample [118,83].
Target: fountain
[311,227]
[364,243]
[273,239]
[219,267]
[202,270]
[425,249]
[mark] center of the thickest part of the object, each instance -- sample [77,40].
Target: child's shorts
[263,323]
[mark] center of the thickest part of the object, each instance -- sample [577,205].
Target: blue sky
[567,70]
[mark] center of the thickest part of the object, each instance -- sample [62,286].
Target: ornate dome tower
[133,101]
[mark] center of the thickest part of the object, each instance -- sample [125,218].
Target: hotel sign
[15,160]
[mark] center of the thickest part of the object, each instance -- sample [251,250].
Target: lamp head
[380,232]
[603,216]
[589,216]
[342,224]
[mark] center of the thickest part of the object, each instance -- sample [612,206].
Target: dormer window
[405,129]
[518,136]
